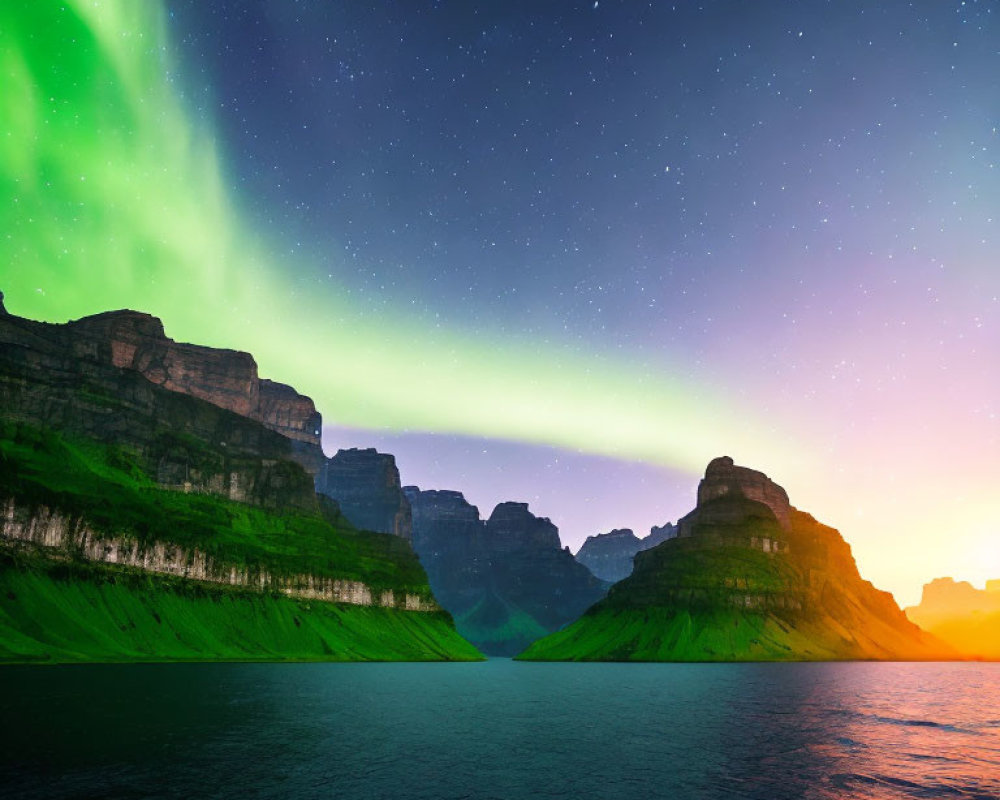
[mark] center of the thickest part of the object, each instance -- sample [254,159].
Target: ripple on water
[502,729]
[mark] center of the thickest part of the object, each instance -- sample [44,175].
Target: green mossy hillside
[661,634]
[64,612]
[105,486]
[719,595]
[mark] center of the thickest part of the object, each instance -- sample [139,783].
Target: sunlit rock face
[506,580]
[366,486]
[194,417]
[225,378]
[749,578]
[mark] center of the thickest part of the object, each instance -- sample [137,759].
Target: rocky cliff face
[225,378]
[366,486]
[609,555]
[507,580]
[56,535]
[512,528]
[189,413]
[724,479]
[746,580]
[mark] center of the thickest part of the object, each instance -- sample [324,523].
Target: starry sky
[562,252]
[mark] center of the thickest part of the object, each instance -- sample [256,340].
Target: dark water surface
[501,729]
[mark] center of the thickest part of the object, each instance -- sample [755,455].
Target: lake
[500,729]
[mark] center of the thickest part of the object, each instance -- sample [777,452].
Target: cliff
[750,578]
[610,555]
[723,479]
[965,617]
[170,479]
[226,378]
[187,413]
[53,535]
[366,486]
[506,581]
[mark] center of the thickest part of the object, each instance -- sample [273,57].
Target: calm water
[501,729]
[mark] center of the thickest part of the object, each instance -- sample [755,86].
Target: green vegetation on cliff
[55,607]
[104,485]
[747,580]
[63,612]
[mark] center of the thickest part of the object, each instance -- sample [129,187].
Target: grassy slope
[65,613]
[71,612]
[685,602]
[662,634]
[103,485]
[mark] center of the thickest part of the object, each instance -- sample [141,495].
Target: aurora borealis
[615,239]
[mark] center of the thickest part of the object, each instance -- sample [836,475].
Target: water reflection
[502,729]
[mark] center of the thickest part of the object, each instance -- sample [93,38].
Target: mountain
[609,555]
[965,617]
[507,580]
[748,578]
[158,503]
[366,486]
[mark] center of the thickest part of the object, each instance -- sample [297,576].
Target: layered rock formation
[749,578]
[506,581]
[121,456]
[57,536]
[366,486]
[199,419]
[225,378]
[609,555]
[724,479]
[962,615]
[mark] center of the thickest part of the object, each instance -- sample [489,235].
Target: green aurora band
[114,197]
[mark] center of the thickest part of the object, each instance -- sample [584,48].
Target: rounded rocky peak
[721,464]
[723,479]
[3,308]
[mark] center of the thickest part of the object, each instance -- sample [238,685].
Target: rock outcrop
[225,378]
[198,419]
[609,555]
[723,478]
[55,535]
[749,578]
[513,529]
[106,430]
[965,617]
[366,486]
[506,581]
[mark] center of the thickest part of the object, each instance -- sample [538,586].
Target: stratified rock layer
[724,479]
[750,578]
[225,378]
[506,581]
[199,419]
[366,486]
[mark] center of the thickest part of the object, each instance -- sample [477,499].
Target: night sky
[563,252]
